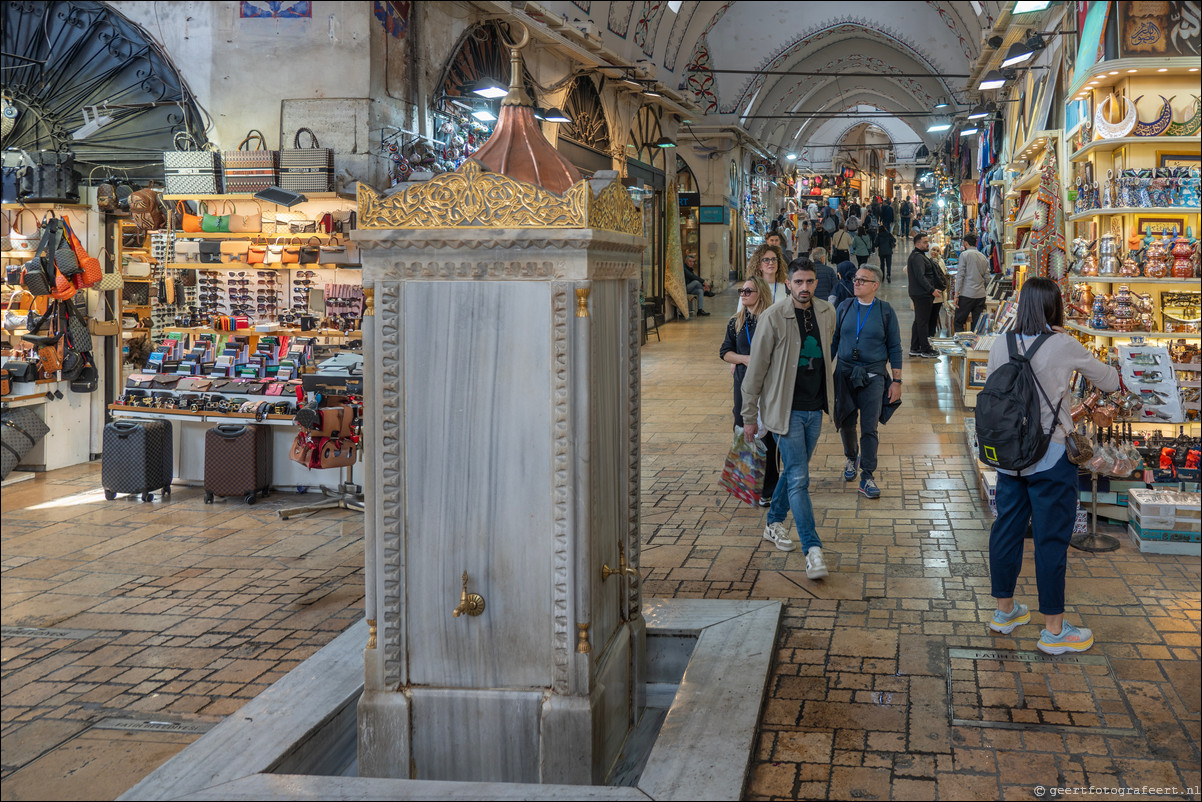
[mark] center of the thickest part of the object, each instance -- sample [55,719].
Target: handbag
[78,338]
[190,170]
[246,223]
[33,277]
[215,224]
[743,473]
[87,379]
[110,281]
[210,253]
[247,170]
[233,250]
[337,453]
[308,169]
[302,227]
[21,370]
[136,269]
[146,210]
[336,253]
[187,250]
[309,252]
[256,254]
[90,270]
[302,450]
[1077,447]
[23,239]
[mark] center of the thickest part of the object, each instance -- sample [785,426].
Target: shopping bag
[743,474]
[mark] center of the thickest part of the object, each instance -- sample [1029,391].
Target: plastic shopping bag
[743,474]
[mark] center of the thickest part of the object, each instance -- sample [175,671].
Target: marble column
[504,431]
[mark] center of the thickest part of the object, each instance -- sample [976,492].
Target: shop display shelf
[230,235]
[1169,282]
[1151,335]
[249,196]
[42,205]
[1111,145]
[18,254]
[1125,68]
[187,413]
[1150,211]
[255,266]
[253,333]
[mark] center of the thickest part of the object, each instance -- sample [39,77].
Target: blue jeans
[793,489]
[1048,500]
[697,289]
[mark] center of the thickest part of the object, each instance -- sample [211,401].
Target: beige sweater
[1054,365]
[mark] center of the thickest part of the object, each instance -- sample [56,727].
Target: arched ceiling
[890,56]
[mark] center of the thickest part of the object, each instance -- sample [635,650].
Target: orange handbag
[191,223]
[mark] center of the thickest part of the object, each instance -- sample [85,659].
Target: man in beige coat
[789,385]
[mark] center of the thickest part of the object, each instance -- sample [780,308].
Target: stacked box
[1166,521]
[988,486]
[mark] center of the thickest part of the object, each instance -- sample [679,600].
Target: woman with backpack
[861,246]
[843,287]
[1044,493]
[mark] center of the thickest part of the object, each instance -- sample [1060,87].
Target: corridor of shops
[179,612]
[366,432]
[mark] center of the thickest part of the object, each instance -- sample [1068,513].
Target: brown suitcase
[237,461]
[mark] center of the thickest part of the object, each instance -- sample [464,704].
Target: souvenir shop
[1090,177]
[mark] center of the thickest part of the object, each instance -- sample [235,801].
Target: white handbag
[137,269]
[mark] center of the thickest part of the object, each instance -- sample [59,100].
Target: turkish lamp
[994,80]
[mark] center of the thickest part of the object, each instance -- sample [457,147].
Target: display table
[188,442]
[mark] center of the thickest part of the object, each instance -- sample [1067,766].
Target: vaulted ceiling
[891,61]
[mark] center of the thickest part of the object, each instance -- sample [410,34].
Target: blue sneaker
[868,487]
[1006,624]
[849,470]
[1070,639]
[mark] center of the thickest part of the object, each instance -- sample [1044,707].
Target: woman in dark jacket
[736,349]
[885,242]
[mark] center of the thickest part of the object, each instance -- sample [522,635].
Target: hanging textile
[1047,232]
[674,269]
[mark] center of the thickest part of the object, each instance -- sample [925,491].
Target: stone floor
[178,612]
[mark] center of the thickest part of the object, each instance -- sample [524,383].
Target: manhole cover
[139,725]
[1034,691]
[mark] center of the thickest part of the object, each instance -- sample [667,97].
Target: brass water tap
[469,603]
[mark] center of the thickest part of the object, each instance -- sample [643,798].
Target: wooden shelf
[1151,211]
[231,235]
[1151,335]
[1111,145]
[255,266]
[1180,282]
[43,204]
[204,414]
[1144,68]
[249,196]
[253,333]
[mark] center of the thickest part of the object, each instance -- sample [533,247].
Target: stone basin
[708,663]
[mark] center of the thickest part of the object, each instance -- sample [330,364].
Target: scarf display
[1047,233]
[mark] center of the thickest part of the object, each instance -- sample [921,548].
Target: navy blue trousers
[1048,500]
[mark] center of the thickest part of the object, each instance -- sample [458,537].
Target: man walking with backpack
[1022,419]
[907,211]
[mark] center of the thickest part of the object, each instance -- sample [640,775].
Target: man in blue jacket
[867,344]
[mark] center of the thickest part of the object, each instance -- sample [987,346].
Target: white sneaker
[815,565]
[778,535]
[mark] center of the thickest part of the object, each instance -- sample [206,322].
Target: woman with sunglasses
[768,263]
[754,298]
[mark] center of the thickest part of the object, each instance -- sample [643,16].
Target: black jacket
[740,343]
[923,274]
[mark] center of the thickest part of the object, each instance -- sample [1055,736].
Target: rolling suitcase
[237,461]
[137,458]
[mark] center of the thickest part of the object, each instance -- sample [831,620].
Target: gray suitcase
[137,458]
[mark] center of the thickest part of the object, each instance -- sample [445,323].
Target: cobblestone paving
[181,611]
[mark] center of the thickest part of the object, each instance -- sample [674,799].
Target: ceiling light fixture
[937,126]
[91,126]
[489,88]
[792,157]
[994,80]
[555,115]
[650,91]
[943,103]
[484,115]
[1017,54]
[1027,6]
[969,131]
[663,142]
[979,113]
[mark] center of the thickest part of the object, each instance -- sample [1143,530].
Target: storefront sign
[714,214]
[690,199]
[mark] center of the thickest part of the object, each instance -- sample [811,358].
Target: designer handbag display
[246,170]
[308,169]
[189,170]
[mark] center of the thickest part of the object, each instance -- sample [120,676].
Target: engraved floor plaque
[1034,691]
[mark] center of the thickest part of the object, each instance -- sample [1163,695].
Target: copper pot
[1103,416]
[1090,401]
[1079,413]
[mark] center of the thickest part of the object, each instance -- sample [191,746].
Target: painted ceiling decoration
[855,63]
[619,18]
[953,24]
[650,14]
[680,26]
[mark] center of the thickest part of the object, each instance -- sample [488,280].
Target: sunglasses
[746,292]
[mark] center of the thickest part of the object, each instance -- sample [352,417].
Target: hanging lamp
[517,147]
